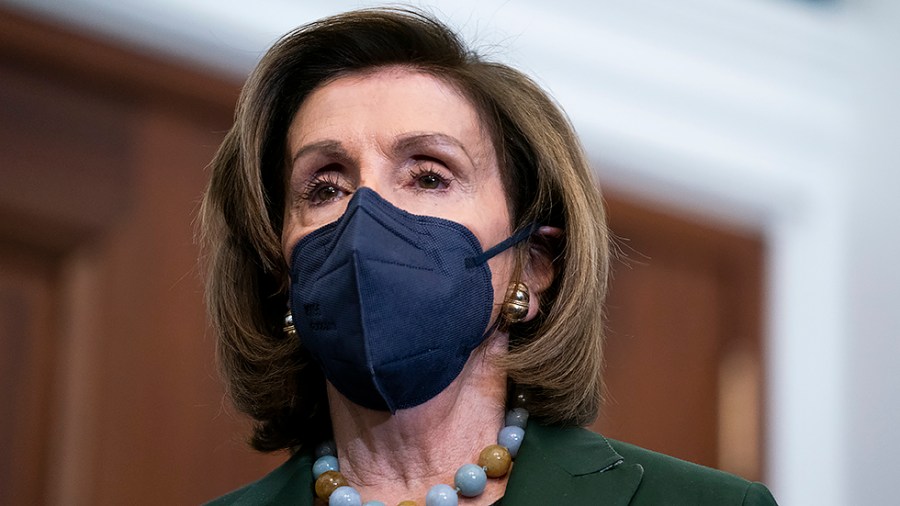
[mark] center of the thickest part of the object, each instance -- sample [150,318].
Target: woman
[429,223]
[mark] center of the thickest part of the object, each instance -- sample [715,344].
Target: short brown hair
[557,357]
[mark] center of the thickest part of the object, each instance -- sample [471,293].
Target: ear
[539,271]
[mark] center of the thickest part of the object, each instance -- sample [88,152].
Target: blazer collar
[570,466]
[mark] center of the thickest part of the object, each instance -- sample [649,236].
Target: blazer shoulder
[230,498]
[289,483]
[668,480]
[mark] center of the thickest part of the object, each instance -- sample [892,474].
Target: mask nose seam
[369,361]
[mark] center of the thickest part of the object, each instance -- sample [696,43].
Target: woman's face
[410,137]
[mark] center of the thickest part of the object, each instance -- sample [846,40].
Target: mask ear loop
[522,234]
[478,260]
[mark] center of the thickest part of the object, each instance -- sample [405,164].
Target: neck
[398,457]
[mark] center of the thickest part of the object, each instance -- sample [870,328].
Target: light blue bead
[441,495]
[517,417]
[470,480]
[326,448]
[325,463]
[374,503]
[345,496]
[511,437]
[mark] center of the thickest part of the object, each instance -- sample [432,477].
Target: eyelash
[317,183]
[422,167]
[426,167]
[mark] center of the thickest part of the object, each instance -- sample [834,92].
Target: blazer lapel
[570,466]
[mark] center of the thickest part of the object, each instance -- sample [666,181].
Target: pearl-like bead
[378,503]
[520,399]
[441,495]
[326,448]
[470,480]
[511,437]
[345,496]
[327,482]
[495,460]
[517,417]
[325,463]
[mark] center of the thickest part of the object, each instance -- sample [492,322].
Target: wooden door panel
[53,142]
[661,355]
[27,353]
[683,346]
[102,170]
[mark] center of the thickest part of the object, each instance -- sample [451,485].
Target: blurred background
[748,150]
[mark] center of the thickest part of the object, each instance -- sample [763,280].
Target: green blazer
[557,466]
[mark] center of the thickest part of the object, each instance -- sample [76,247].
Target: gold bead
[407,503]
[495,460]
[515,307]
[328,482]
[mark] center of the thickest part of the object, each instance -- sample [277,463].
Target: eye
[322,189]
[429,175]
[429,181]
[325,193]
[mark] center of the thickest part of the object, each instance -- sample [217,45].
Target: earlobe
[540,272]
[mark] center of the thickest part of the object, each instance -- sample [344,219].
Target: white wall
[872,283]
[775,115]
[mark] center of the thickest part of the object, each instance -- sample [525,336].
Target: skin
[419,143]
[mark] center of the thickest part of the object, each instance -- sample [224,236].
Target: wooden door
[108,379]
[684,370]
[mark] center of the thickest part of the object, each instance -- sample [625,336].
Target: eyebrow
[326,146]
[406,142]
[423,139]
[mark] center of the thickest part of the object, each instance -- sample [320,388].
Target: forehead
[387,102]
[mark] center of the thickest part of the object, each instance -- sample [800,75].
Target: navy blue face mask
[392,304]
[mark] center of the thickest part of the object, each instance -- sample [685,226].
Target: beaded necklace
[470,480]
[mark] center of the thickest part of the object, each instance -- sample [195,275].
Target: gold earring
[515,308]
[289,324]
